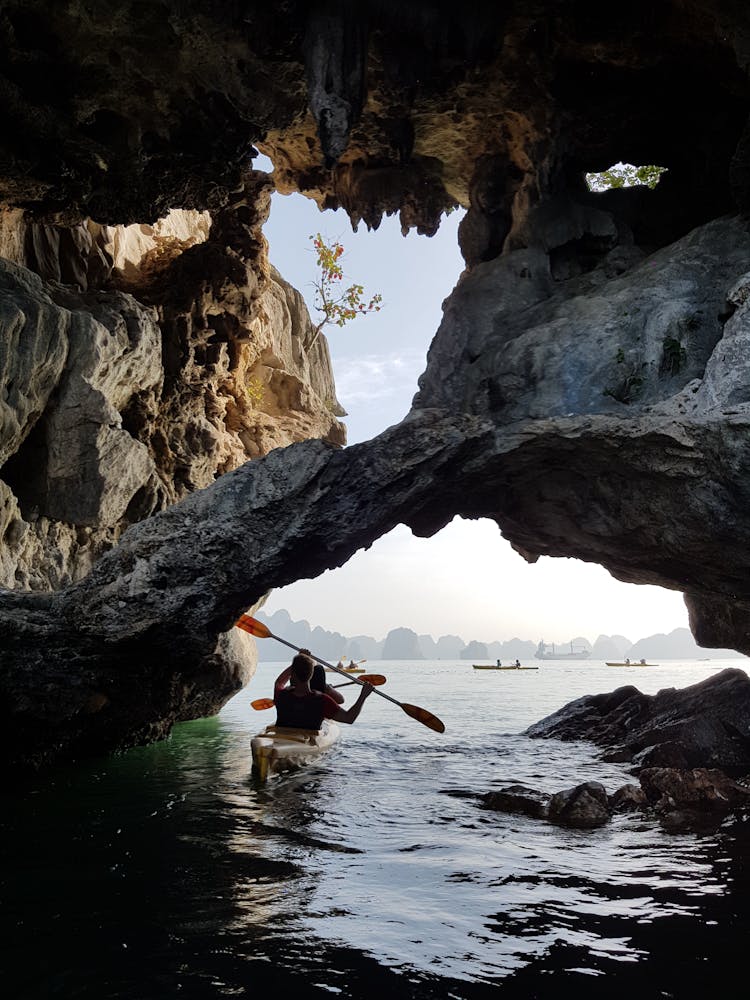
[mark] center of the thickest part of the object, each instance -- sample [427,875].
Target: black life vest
[299,713]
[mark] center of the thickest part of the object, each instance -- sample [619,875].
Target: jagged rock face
[587,388]
[618,397]
[376,106]
[113,409]
[705,725]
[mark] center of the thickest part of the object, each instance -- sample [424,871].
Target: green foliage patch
[623,175]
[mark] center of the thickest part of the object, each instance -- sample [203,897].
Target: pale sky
[466,580]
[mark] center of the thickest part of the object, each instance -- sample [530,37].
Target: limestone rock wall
[587,388]
[190,358]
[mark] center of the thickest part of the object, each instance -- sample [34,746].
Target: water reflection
[168,871]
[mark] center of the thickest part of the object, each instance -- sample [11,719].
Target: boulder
[518,799]
[584,807]
[704,725]
[702,789]
[628,798]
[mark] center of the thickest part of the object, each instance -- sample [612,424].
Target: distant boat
[494,666]
[629,663]
[547,651]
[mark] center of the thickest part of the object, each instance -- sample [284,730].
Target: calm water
[168,872]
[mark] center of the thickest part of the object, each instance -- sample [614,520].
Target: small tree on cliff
[336,304]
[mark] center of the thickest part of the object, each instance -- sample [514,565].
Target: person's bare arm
[336,695]
[283,679]
[349,715]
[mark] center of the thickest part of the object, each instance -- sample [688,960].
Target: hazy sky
[466,580]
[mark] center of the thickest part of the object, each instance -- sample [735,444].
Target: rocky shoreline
[689,750]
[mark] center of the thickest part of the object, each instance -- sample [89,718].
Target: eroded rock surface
[588,388]
[112,408]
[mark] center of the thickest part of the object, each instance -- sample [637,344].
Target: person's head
[302,669]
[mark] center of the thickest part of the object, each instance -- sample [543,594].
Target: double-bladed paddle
[375,679]
[261,704]
[261,631]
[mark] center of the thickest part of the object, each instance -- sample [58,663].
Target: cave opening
[625,175]
[377,359]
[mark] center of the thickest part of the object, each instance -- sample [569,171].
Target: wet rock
[628,798]
[704,725]
[518,799]
[671,753]
[584,807]
[699,789]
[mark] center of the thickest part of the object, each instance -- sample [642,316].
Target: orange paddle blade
[261,704]
[375,679]
[423,716]
[253,626]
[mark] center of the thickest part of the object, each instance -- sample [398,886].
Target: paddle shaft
[261,631]
[344,673]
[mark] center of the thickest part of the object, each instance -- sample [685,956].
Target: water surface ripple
[168,871]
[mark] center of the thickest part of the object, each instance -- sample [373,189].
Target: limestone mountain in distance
[404,644]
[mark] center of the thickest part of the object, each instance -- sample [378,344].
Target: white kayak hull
[281,748]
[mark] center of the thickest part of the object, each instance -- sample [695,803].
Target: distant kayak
[282,748]
[347,670]
[482,666]
[629,663]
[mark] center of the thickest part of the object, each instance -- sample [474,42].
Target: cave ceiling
[122,110]
[589,386]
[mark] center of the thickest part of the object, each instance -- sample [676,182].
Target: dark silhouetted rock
[628,798]
[587,388]
[704,789]
[704,725]
[518,799]
[584,807]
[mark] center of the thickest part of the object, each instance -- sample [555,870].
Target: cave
[587,389]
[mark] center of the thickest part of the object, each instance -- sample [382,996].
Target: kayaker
[300,707]
[318,682]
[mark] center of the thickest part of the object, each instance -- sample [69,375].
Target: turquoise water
[168,871]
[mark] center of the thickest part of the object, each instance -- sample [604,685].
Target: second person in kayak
[298,706]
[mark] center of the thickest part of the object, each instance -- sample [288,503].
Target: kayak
[282,748]
[481,666]
[632,663]
[347,670]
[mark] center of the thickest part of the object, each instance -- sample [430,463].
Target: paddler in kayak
[318,681]
[298,706]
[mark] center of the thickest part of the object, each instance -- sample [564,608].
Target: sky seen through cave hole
[466,580]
